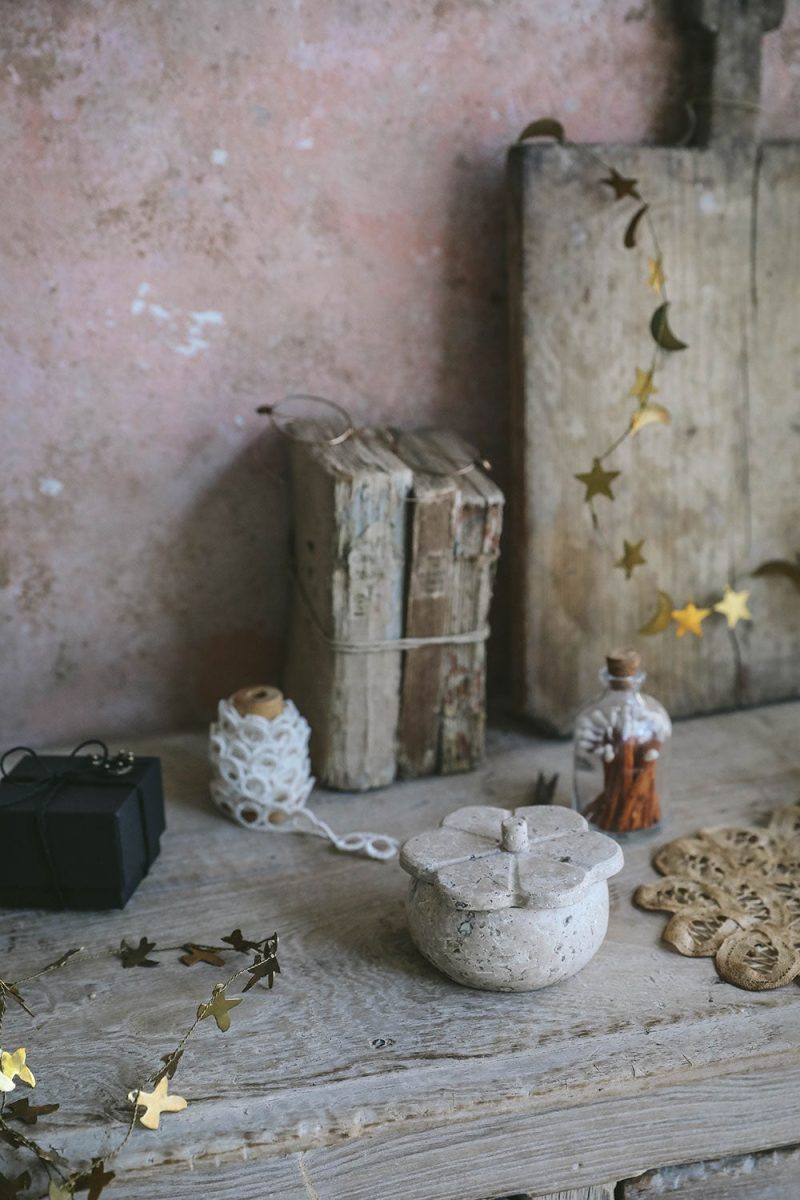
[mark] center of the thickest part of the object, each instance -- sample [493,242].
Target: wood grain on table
[365,1072]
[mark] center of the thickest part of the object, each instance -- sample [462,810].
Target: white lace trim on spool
[262,778]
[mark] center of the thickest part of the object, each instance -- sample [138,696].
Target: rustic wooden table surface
[365,1073]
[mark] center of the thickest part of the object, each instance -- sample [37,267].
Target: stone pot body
[509,902]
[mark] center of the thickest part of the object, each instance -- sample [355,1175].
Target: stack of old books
[396,540]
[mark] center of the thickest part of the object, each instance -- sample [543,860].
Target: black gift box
[77,835]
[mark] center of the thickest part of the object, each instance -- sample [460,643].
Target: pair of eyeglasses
[317,421]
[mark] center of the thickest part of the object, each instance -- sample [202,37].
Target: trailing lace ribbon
[262,778]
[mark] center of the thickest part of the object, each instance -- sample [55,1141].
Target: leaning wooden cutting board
[715,493]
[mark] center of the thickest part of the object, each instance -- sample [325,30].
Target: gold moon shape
[663,335]
[663,615]
[649,414]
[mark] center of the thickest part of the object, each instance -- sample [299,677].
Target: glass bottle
[620,740]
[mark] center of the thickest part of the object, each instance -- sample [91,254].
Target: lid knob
[514,834]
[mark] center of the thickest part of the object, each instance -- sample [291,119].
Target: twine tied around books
[376,646]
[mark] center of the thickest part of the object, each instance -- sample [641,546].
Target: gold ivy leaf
[65,957]
[663,335]
[644,387]
[621,186]
[597,481]
[10,989]
[656,278]
[195,954]
[136,956]
[155,1103]
[689,619]
[648,414]
[631,558]
[544,789]
[661,618]
[10,1188]
[242,944]
[781,566]
[12,1066]
[733,607]
[544,127]
[95,1181]
[170,1061]
[267,967]
[57,1192]
[633,225]
[23,1110]
[218,1007]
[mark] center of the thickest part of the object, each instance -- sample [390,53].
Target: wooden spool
[261,700]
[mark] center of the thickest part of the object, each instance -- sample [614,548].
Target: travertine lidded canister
[509,901]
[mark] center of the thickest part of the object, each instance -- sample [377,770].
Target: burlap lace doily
[734,894]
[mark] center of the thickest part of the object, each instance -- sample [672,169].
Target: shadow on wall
[474,314]
[233,543]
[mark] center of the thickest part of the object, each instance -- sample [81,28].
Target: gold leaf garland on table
[64,1180]
[598,480]
[734,895]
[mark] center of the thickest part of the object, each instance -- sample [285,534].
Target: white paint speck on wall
[219,157]
[51,487]
[184,333]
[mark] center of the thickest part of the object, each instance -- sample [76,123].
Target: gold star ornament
[12,1066]
[218,1007]
[597,481]
[656,278]
[632,558]
[644,387]
[733,607]
[155,1103]
[621,186]
[689,619]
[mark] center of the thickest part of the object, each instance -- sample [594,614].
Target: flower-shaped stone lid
[485,858]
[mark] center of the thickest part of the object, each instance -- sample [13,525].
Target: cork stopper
[260,700]
[622,664]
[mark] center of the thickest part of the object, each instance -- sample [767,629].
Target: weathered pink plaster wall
[209,203]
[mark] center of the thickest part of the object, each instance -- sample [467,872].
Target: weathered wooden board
[715,493]
[771,1175]
[349,511]
[365,1072]
[604,1191]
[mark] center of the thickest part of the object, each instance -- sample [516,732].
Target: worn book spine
[349,505]
[429,605]
[456,521]
[479,523]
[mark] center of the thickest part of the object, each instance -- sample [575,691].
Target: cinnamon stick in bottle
[625,730]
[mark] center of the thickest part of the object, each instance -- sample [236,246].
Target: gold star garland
[65,1180]
[597,481]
